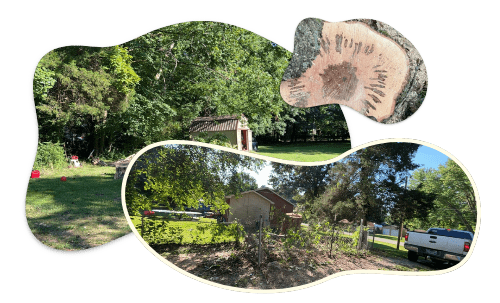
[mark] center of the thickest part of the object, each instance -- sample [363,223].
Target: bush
[49,155]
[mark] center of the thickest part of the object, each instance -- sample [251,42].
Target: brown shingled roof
[221,123]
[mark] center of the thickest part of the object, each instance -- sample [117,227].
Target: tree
[203,69]
[79,87]
[309,181]
[406,204]
[178,176]
[360,181]
[455,201]
[241,182]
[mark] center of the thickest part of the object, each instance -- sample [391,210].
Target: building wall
[230,134]
[280,204]
[248,209]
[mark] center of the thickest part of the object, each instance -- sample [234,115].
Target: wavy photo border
[266,158]
[406,120]
[34,122]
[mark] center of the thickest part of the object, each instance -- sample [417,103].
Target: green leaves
[178,176]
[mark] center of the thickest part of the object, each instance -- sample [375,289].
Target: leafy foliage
[49,155]
[204,69]
[455,200]
[360,181]
[78,89]
[178,176]
[157,232]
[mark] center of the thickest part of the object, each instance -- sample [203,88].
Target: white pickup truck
[439,244]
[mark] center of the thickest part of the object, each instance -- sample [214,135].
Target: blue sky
[429,157]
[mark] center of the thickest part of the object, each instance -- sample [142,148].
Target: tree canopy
[150,89]
[178,176]
[455,200]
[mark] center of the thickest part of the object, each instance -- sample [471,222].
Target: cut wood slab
[351,63]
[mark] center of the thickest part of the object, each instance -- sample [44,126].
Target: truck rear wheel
[412,256]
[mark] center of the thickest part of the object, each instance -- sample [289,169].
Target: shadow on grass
[309,148]
[82,212]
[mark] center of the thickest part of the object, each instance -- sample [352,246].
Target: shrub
[49,155]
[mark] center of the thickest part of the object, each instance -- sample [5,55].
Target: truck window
[450,233]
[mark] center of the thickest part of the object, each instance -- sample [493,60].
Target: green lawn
[394,238]
[389,250]
[189,231]
[82,212]
[305,152]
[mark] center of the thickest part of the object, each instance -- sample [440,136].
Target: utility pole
[400,234]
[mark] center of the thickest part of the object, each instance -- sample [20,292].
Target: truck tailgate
[436,242]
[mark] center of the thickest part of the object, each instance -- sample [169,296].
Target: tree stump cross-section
[346,63]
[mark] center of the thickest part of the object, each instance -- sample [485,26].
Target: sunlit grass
[82,212]
[305,152]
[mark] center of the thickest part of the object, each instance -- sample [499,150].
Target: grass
[82,212]
[305,152]
[389,250]
[190,232]
[394,238]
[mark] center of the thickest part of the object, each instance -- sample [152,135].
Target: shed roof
[267,188]
[220,123]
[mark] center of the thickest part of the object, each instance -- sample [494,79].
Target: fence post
[260,238]
[142,226]
[360,238]
[373,240]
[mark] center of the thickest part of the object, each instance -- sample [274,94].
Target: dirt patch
[227,265]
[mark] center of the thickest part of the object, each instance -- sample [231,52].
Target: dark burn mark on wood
[377,85]
[376,66]
[371,50]
[325,45]
[297,93]
[375,98]
[370,105]
[350,45]
[338,43]
[381,77]
[360,45]
[378,92]
[355,48]
[339,81]
[345,43]
[366,49]
[297,88]
[381,71]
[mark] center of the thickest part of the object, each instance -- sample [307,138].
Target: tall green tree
[359,181]
[307,181]
[204,69]
[241,182]
[455,201]
[82,87]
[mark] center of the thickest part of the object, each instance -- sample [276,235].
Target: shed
[251,204]
[235,127]
[392,230]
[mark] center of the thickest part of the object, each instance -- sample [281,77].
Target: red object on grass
[148,212]
[63,178]
[74,157]
[35,174]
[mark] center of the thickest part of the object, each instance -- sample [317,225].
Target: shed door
[244,139]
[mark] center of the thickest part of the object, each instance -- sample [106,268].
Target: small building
[234,127]
[392,230]
[253,203]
